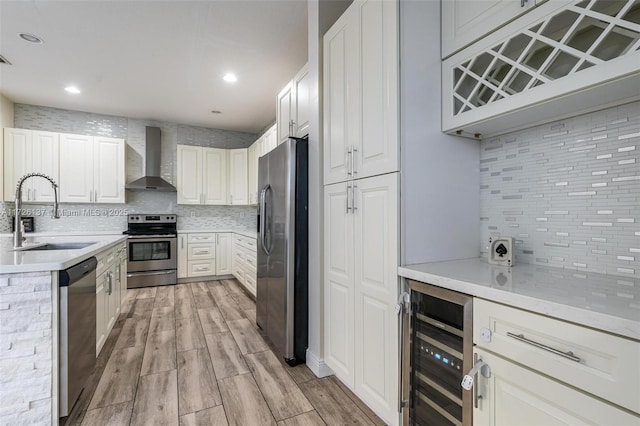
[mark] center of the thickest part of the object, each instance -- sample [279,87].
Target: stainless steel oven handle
[137,274]
[165,237]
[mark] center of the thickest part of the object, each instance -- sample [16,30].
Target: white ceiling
[160,60]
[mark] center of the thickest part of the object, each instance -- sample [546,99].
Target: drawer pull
[521,337]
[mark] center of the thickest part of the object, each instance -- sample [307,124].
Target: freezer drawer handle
[521,337]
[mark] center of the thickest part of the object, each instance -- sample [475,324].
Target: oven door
[152,254]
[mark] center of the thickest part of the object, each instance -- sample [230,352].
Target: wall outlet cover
[501,251]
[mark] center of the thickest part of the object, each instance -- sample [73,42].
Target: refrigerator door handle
[263,219]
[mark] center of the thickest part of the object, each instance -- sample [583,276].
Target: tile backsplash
[567,191]
[112,217]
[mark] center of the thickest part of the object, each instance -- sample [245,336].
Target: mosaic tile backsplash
[105,217]
[568,192]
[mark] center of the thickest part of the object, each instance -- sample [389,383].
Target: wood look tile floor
[191,354]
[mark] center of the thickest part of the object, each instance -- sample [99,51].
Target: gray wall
[87,217]
[439,173]
[567,191]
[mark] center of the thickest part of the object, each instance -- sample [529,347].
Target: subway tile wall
[112,217]
[568,192]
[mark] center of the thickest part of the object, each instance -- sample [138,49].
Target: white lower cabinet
[224,240]
[545,371]
[182,255]
[361,288]
[110,291]
[244,261]
[101,315]
[202,254]
[515,395]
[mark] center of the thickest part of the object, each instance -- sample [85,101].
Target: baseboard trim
[317,365]
[205,278]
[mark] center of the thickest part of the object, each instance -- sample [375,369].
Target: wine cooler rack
[439,354]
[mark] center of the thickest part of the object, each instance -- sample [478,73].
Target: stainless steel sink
[59,246]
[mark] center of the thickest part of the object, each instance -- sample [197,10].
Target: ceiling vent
[4,60]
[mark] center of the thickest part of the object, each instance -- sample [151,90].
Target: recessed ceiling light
[230,77]
[72,89]
[30,38]
[215,111]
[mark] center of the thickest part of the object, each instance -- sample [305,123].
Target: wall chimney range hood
[152,181]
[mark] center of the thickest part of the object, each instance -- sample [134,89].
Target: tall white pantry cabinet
[361,202]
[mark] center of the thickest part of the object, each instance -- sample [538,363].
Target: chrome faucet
[18,238]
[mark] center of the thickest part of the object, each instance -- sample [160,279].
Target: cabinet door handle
[520,337]
[347,160]
[34,194]
[348,195]
[182,243]
[353,197]
[354,149]
[523,3]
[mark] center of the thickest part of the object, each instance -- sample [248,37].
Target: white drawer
[238,271]
[201,237]
[107,258]
[247,242]
[201,251]
[604,365]
[200,268]
[250,283]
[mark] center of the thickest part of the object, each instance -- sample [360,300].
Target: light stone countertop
[51,260]
[605,302]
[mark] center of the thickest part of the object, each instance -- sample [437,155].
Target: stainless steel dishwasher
[77,332]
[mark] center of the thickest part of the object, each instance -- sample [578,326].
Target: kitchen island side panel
[28,347]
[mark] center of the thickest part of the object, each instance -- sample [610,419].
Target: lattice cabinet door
[553,61]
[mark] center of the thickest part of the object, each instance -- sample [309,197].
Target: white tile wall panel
[568,190]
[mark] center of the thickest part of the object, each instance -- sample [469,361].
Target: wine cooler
[437,353]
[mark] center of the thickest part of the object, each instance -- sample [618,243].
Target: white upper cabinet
[30,151]
[560,59]
[270,140]
[189,179]
[108,170]
[300,108]
[93,169]
[214,172]
[284,120]
[361,92]
[293,107]
[252,173]
[465,21]
[76,177]
[202,175]
[238,186]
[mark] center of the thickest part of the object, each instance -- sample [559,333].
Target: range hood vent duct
[152,180]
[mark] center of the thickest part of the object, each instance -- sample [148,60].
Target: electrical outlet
[241,214]
[193,214]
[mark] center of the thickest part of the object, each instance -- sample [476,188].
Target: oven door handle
[165,236]
[137,274]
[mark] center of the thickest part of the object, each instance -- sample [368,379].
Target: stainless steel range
[152,249]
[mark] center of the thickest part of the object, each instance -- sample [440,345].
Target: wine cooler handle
[402,309]
[468,380]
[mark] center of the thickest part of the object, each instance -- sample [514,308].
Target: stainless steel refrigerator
[282,287]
